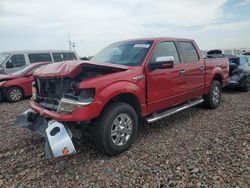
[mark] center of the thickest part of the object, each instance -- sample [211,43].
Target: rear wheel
[116,129]
[14,94]
[213,98]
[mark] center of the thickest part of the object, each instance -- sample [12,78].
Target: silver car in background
[13,61]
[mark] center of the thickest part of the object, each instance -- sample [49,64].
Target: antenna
[69,41]
[74,46]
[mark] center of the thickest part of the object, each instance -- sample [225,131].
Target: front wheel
[213,98]
[14,94]
[116,129]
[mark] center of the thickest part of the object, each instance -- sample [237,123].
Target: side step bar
[158,116]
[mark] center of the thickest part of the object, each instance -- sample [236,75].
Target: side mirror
[164,62]
[9,64]
[29,75]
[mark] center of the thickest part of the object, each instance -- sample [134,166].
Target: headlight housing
[34,91]
[68,103]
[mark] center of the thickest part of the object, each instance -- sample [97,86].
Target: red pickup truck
[144,78]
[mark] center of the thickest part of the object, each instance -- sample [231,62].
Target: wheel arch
[7,88]
[217,77]
[128,98]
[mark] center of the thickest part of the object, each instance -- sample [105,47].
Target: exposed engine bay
[49,91]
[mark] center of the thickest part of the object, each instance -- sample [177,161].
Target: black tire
[14,94]
[212,100]
[103,126]
[246,85]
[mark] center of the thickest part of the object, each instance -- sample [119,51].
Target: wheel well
[218,78]
[128,98]
[7,88]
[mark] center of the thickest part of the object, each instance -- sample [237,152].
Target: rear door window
[17,60]
[63,57]
[166,49]
[39,57]
[189,52]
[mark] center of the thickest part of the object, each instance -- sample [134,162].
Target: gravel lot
[195,148]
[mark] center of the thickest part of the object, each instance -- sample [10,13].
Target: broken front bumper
[58,137]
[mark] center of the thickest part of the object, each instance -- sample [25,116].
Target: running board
[158,116]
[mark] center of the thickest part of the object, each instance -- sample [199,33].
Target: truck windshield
[130,53]
[3,57]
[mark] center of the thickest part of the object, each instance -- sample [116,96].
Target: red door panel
[194,67]
[194,76]
[166,88]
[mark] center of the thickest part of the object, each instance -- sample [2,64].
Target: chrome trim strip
[74,102]
[172,111]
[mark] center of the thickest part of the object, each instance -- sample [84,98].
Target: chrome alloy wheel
[121,129]
[15,94]
[216,95]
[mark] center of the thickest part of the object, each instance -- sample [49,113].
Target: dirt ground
[195,148]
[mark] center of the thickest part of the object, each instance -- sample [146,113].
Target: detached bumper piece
[233,84]
[58,137]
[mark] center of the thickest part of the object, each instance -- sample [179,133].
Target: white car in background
[234,52]
[13,61]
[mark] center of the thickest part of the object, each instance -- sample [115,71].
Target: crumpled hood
[72,68]
[4,77]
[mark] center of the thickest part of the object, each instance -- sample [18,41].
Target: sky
[93,24]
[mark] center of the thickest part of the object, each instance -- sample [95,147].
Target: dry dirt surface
[195,148]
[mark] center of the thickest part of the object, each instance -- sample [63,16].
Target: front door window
[17,60]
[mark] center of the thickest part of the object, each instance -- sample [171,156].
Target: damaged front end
[57,136]
[61,95]
[60,105]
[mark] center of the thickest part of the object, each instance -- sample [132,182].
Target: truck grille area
[50,91]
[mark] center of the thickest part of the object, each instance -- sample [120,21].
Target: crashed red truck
[130,80]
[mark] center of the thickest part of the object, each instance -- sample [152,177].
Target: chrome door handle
[182,72]
[202,68]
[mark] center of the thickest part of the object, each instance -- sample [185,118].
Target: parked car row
[16,70]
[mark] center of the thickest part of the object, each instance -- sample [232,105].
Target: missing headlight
[68,103]
[87,93]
